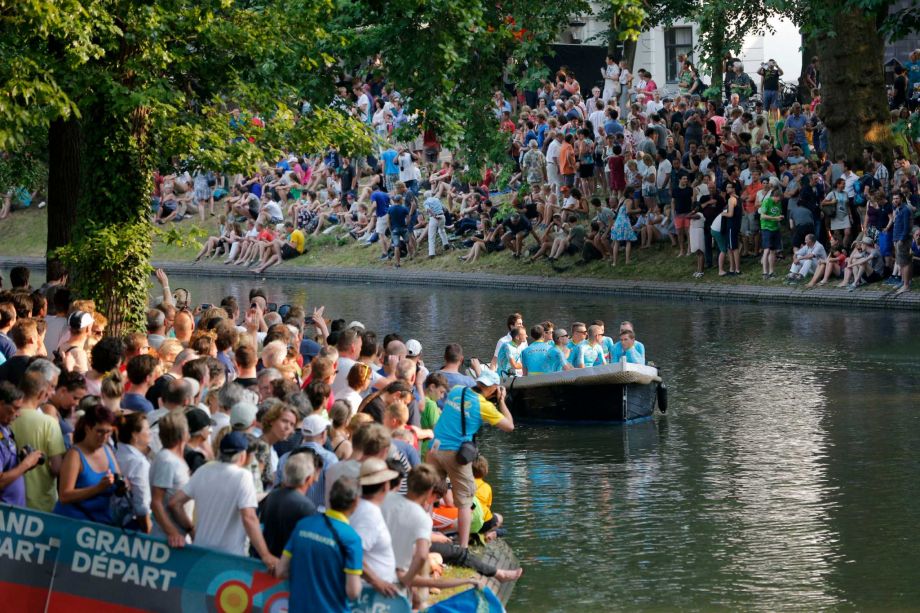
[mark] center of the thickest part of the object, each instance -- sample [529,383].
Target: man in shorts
[750,229]
[448,437]
[398,214]
[381,202]
[276,251]
[901,234]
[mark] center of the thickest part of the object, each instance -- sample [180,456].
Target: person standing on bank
[450,434]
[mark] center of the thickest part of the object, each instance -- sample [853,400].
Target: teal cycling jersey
[535,358]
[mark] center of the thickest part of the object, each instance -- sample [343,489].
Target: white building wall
[783,45]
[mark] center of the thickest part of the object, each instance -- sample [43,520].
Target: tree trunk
[854,106]
[809,50]
[716,61]
[110,259]
[629,53]
[64,156]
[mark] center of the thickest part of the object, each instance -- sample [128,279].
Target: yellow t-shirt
[298,240]
[42,433]
[484,495]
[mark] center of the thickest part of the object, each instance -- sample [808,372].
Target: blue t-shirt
[322,549]
[7,347]
[399,215]
[381,202]
[389,162]
[614,127]
[136,402]
[902,224]
[607,344]
[434,206]
[555,360]
[15,492]
[586,356]
[505,355]
[449,430]
[635,355]
[535,357]
[256,189]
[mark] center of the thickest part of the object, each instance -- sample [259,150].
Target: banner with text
[53,563]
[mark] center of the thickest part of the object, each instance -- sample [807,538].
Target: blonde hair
[113,385]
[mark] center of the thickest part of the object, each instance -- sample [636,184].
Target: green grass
[23,234]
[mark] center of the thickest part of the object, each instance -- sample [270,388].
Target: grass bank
[23,234]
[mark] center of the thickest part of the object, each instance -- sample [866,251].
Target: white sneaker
[42,204]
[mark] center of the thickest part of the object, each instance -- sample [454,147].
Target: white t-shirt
[407,522]
[597,119]
[274,211]
[220,491]
[340,384]
[367,520]
[552,152]
[406,167]
[169,472]
[507,339]
[221,420]
[54,330]
[353,399]
[664,171]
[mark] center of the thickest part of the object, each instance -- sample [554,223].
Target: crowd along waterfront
[780,478]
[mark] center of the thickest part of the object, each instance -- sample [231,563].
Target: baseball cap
[79,320]
[243,414]
[374,471]
[233,443]
[488,377]
[414,348]
[197,419]
[314,425]
[358,325]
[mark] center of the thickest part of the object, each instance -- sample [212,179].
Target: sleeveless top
[96,508]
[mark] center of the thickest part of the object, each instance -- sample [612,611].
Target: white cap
[413,348]
[358,325]
[314,425]
[243,414]
[488,377]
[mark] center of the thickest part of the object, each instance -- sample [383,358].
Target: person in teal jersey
[618,346]
[589,352]
[557,359]
[579,334]
[607,343]
[534,357]
[509,356]
[626,348]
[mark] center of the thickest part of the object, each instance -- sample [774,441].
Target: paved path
[875,297]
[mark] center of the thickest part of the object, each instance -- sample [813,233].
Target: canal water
[784,476]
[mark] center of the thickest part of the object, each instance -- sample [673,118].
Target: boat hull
[603,395]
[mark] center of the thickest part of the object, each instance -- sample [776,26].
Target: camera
[26,450]
[121,487]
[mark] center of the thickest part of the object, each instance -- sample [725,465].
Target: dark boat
[612,393]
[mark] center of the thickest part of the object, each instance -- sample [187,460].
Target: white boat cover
[612,374]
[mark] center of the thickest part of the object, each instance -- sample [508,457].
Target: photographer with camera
[89,475]
[13,463]
[770,73]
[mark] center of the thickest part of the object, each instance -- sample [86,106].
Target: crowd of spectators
[602,177]
[254,430]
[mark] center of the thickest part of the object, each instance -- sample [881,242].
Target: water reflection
[784,476]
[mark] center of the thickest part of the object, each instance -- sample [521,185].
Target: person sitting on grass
[806,259]
[277,250]
[491,521]
[866,265]
[516,229]
[556,230]
[486,240]
[833,266]
[249,250]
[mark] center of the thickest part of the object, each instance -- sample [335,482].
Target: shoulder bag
[468,451]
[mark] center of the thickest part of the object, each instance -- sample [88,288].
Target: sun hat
[374,471]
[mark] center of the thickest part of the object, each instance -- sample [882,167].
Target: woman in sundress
[622,232]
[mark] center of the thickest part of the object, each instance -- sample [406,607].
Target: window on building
[677,41]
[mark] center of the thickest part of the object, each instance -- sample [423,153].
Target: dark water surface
[784,477]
